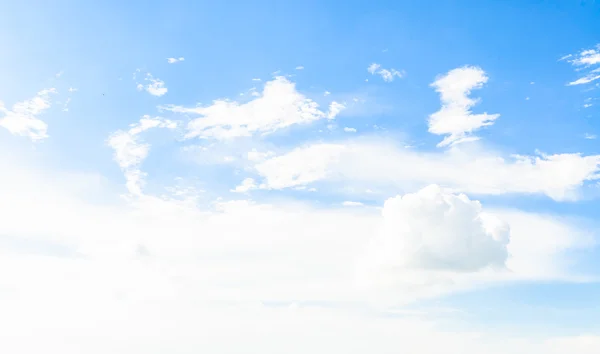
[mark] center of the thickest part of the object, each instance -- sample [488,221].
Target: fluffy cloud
[386,75]
[280,106]
[130,151]
[471,170]
[436,230]
[23,119]
[154,86]
[455,118]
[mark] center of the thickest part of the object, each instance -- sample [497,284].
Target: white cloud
[474,170]
[155,87]
[99,277]
[334,109]
[387,75]
[327,93]
[590,136]
[587,57]
[23,119]
[247,185]
[175,60]
[585,61]
[584,80]
[300,67]
[130,151]
[455,118]
[301,166]
[72,89]
[435,230]
[280,106]
[349,130]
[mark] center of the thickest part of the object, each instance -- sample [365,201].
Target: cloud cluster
[586,62]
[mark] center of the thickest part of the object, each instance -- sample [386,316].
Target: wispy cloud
[130,151]
[23,119]
[175,60]
[585,62]
[386,75]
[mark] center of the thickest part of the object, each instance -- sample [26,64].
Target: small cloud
[334,109]
[247,185]
[373,68]
[527,98]
[565,57]
[352,204]
[300,67]
[256,79]
[72,89]
[384,51]
[155,87]
[66,105]
[254,92]
[175,60]
[59,74]
[532,83]
[327,93]
[350,130]
[590,136]
[388,75]
[587,105]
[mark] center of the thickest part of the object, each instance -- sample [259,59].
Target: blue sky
[202,157]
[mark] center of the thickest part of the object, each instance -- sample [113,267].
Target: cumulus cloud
[130,151]
[475,171]
[279,106]
[388,75]
[434,229]
[455,118]
[23,119]
[175,60]
[154,86]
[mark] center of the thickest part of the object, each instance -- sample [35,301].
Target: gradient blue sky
[518,45]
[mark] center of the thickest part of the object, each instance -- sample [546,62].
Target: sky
[315,176]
